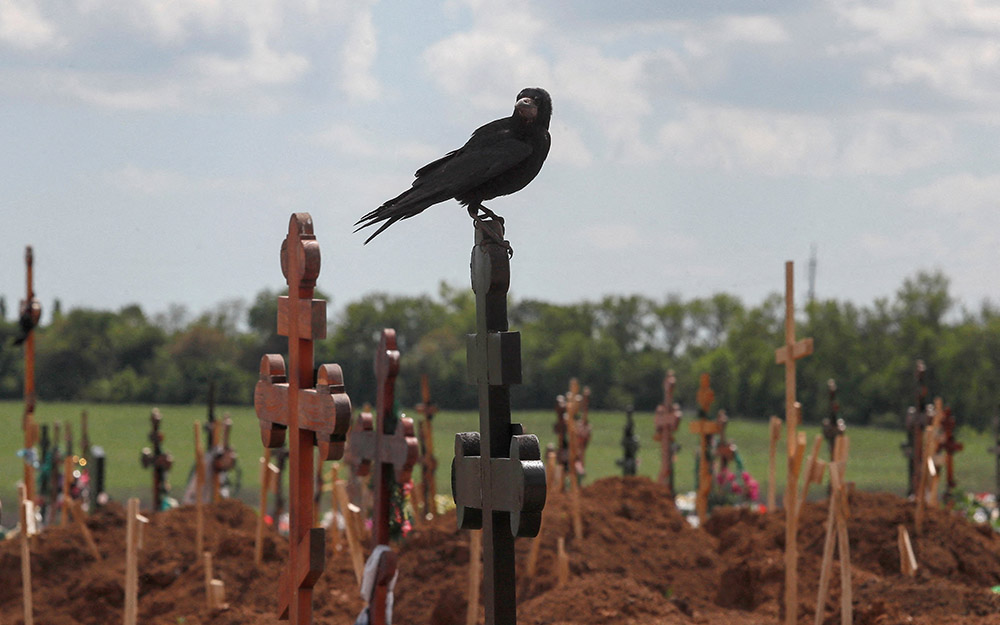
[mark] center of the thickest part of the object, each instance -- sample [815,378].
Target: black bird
[500,158]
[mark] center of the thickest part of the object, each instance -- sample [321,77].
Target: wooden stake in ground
[389,447]
[215,589]
[787,355]
[428,462]
[133,543]
[268,472]
[497,475]
[562,563]
[668,417]
[907,561]
[313,406]
[27,509]
[927,482]
[536,542]
[28,317]
[836,532]
[573,399]
[774,432]
[350,513]
[950,446]
[199,482]
[705,429]
[814,473]
[81,521]
[475,576]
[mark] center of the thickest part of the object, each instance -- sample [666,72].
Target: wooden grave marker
[951,446]
[836,535]
[199,485]
[159,460]
[774,435]
[916,422]
[27,530]
[133,543]
[389,446]
[786,355]
[705,429]
[313,407]
[29,315]
[497,475]
[428,462]
[667,420]
[833,425]
[907,560]
[574,465]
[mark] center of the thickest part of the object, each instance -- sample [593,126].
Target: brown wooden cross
[667,420]
[787,355]
[316,410]
[30,313]
[951,446]
[705,429]
[916,421]
[428,462]
[497,475]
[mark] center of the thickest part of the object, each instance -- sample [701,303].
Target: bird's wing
[472,165]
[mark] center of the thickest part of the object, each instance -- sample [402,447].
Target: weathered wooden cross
[951,446]
[160,460]
[389,446]
[705,429]
[314,407]
[787,355]
[916,421]
[30,313]
[428,462]
[497,476]
[668,417]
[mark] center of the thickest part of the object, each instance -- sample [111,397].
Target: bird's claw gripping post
[492,228]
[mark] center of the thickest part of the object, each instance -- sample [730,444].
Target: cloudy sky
[152,150]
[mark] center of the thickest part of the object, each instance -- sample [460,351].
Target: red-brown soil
[639,563]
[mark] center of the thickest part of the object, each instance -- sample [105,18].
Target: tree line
[620,346]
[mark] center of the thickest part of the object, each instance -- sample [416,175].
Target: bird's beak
[527,108]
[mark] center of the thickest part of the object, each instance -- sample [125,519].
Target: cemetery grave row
[608,537]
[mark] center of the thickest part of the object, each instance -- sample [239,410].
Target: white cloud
[358,57]
[784,144]
[948,46]
[23,26]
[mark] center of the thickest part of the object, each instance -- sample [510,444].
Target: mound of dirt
[639,562]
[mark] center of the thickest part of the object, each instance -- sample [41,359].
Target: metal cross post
[428,462]
[313,406]
[787,355]
[389,445]
[497,476]
[160,460]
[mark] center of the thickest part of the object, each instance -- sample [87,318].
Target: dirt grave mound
[639,562]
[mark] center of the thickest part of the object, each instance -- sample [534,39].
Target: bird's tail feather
[407,204]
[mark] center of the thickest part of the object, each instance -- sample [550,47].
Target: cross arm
[324,409]
[799,349]
[517,483]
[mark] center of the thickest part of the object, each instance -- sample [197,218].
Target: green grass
[876,463]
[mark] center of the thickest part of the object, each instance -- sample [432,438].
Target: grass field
[876,463]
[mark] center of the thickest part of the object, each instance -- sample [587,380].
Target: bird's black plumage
[500,158]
